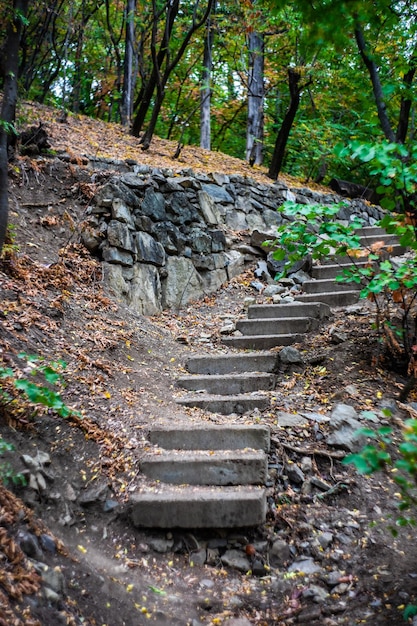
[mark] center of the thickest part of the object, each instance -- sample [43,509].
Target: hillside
[120,376]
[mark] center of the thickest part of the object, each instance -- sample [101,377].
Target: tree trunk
[169,67]
[372,68]
[128,75]
[406,103]
[254,134]
[284,132]
[205,96]
[148,89]
[8,109]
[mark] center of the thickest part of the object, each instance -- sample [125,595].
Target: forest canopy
[279,83]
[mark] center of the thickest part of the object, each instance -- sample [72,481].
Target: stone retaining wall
[167,238]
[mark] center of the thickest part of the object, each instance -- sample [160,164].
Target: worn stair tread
[266,311]
[206,467]
[262,361]
[225,405]
[226,384]
[166,506]
[207,436]
[332,298]
[324,285]
[331,271]
[254,342]
[277,325]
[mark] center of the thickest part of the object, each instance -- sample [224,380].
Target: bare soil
[120,376]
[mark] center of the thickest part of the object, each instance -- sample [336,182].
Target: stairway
[213,476]
[207,476]
[323,287]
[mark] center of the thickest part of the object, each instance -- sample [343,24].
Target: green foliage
[400,458]
[393,166]
[391,285]
[312,230]
[7,474]
[42,394]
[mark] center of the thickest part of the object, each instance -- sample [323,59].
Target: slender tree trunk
[284,132]
[148,90]
[406,103]
[372,68]
[10,68]
[205,95]
[170,65]
[128,75]
[254,134]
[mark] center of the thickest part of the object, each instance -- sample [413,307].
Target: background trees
[279,82]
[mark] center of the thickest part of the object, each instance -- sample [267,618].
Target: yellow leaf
[129,588]
[81,548]
[130,357]
[107,394]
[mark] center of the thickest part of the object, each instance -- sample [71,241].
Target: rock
[333,578]
[325,539]
[48,543]
[236,559]
[161,544]
[277,267]
[183,283]
[29,544]
[153,205]
[279,553]
[145,296]
[209,208]
[290,420]
[118,235]
[121,212]
[114,255]
[217,193]
[257,285]
[305,565]
[148,250]
[290,355]
[273,290]
[300,277]
[294,473]
[344,423]
[93,494]
[237,621]
[317,593]
[199,557]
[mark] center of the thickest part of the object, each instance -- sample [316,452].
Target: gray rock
[273,290]
[209,208]
[145,294]
[277,267]
[294,473]
[149,251]
[217,193]
[182,284]
[93,494]
[114,255]
[300,277]
[325,539]
[180,209]
[317,593]
[290,355]
[344,424]
[118,235]
[121,212]
[279,553]
[305,565]
[161,544]
[29,544]
[290,420]
[236,559]
[153,205]
[200,240]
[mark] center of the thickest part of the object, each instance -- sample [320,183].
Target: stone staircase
[207,475]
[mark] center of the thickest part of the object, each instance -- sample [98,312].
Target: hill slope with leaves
[120,376]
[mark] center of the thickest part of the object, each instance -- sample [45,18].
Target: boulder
[148,250]
[182,283]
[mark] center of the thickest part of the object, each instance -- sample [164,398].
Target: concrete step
[325,285]
[261,342]
[225,385]
[277,326]
[225,405]
[321,272]
[232,363]
[333,299]
[207,436]
[370,230]
[206,467]
[290,309]
[368,239]
[198,507]
[390,250]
